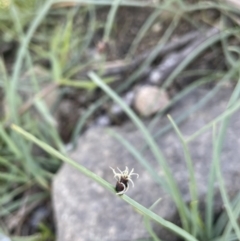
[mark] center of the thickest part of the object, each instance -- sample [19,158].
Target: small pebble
[149,100]
[116,110]
[39,215]
[103,120]
[129,97]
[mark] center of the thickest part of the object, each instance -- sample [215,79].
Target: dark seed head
[120,186]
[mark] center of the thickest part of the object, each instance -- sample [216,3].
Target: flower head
[122,179]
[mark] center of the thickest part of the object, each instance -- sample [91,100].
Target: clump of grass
[32,24]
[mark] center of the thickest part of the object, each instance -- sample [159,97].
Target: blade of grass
[210,194]
[91,29]
[35,237]
[195,85]
[224,115]
[228,228]
[174,191]
[83,84]
[143,31]
[228,56]
[12,166]
[210,5]
[218,144]
[7,197]
[141,209]
[148,224]
[210,41]
[152,56]
[110,20]
[57,154]
[6,210]
[8,177]
[196,227]
[44,112]
[158,219]
[82,121]
[10,143]
[223,190]
[200,103]
[20,57]
[110,2]
[150,230]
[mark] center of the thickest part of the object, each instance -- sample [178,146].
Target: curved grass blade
[174,191]
[141,209]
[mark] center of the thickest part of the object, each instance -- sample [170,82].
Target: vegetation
[43,46]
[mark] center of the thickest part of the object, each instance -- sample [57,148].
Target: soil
[117,48]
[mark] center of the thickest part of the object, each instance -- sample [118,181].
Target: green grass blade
[10,143]
[210,195]
[152,56]
[143,31]
[7,197]
[158,219]
[110,2]
[174,191]
[35,237]
[105,184]
[12,206]
[218,143]
[224,115]
[57,154]
[110,20]
[228,229]
[20,57]
[148,224]
[150,230]
[210,41]
[199,105]
[227,113]
[192,184]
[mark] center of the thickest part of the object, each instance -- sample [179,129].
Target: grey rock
[235,3]
[103,120]
[116,110]
[4,238]
[86,212]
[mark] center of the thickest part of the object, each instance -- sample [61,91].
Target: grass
[48,33]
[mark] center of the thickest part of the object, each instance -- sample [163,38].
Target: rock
[116,113]
[84,211]
[38,216]
[104,211]
[235,3]
[163,70]
[67,114]
[103,120]
[149,100]
[4,238]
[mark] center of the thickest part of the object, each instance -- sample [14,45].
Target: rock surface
[86,212]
